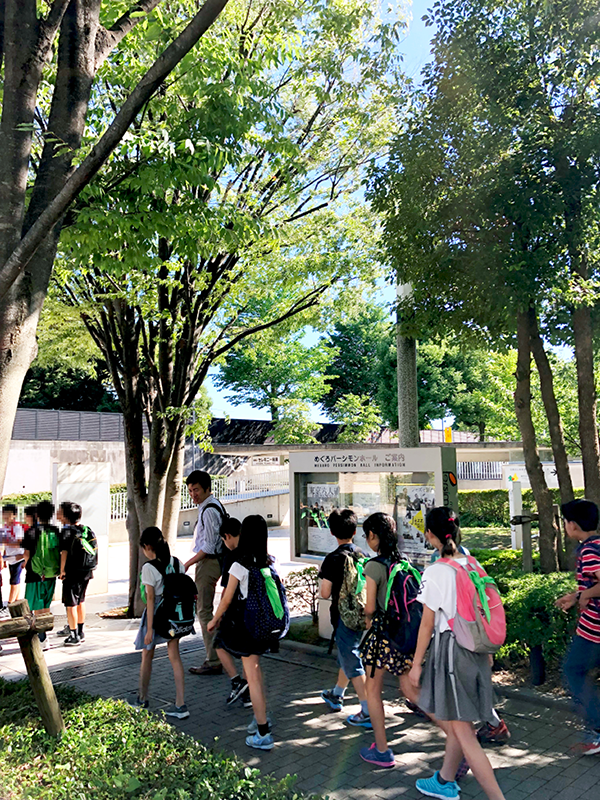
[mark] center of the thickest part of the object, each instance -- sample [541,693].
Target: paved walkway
[312,742]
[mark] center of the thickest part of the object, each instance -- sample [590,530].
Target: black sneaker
[66,631]
[137,703]
[245,698]
[238,686]
[81,636]
[72,640]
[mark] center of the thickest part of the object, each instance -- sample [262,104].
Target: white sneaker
[4,613]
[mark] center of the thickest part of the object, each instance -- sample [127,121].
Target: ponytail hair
[384,527]
[444,524]
[152,537]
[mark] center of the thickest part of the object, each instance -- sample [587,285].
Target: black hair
[583,512]
[444,524]
[231,526]
[44,511]
[252,549]
[31,511]
[384,527]
[152,537]
[71,512]
[10,507]
[203,479]
[342,523]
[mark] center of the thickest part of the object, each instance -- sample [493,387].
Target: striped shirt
[587,570]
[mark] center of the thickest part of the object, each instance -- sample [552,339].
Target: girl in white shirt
[233,637]
[456,684]
[156,548]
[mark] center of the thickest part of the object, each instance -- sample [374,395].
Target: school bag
[353,592]
[46,559]
[480,623]
[402,613]
[84,549]
[174,615]
[266,612]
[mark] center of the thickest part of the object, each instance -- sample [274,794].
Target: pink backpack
[480,623]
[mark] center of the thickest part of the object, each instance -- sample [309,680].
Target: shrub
[302,588]
[110,751]
[27,499]
[489,507]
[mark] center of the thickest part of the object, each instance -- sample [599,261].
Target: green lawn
[485,538]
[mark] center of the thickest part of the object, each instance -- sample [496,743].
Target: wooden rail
[25,625]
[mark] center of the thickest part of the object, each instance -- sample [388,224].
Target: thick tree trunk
[406,375]
[136,557]
[543,498]
[586,395]
[172,506]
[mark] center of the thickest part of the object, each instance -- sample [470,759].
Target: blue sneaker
[253,727]
[360,720]
[433,788]
[260,742]
[334,701]
[372,756]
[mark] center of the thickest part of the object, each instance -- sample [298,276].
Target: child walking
[342,525]
[14,554]
[41,558]
[456,684]
[230,533]
[159,557]
[583,656]
[378,653]
[77,563]
[234,636]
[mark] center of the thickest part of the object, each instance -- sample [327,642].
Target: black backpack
[401,617]
[84,549]
[266,611]
[174,616]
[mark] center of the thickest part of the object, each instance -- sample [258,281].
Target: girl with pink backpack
[463,624]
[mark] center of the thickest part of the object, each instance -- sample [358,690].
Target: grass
[485,538]
[305,631]
[111,751]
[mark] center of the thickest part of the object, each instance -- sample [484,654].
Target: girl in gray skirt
[456,684]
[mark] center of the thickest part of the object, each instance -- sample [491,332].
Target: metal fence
[479,470]
[228,488]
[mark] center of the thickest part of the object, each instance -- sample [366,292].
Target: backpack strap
[480,582]
[401,566]
[217,506]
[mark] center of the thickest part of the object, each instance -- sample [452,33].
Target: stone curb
[522,693]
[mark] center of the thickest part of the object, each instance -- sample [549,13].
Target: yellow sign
[418,521]
[448,434]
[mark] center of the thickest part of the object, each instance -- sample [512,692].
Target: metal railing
[479,470]
[225,489]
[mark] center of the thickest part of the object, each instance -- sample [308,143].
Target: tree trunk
[170,522]
[586,395]
[135,605]
[543,498]
[408,404]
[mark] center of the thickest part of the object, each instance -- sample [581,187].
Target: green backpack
[46,560]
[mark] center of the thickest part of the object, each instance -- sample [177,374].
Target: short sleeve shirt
[30,539]
[66,540]
[332,570]
[438,592]
[378,571]
[229,557]
[240,572]
[588,564]
[151,576]
[13,551]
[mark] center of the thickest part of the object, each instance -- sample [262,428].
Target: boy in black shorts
[75,571]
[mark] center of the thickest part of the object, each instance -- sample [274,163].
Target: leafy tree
[275,365]
[54,54]
[294,423]
[358,416]
[355,343]
[67,389]
[231,211]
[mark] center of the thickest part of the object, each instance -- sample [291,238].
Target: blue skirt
[141,635]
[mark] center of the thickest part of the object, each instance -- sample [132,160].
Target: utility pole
[408,410]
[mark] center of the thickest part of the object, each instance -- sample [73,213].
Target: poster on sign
[322,498]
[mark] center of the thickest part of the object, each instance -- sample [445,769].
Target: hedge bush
[111,751]
[531,616]
[489,507]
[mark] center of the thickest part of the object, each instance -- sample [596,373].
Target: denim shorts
[348,642]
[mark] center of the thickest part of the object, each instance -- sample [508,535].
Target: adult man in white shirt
[207,548]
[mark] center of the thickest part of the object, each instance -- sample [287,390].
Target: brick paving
[314,743]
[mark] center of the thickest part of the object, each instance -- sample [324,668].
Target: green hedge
[531,616]
[489,507]
[27,499]
[110,751]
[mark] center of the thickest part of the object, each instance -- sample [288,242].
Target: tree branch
[107,40]
[98,155]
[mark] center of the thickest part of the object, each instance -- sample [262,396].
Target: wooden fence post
[37,670]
